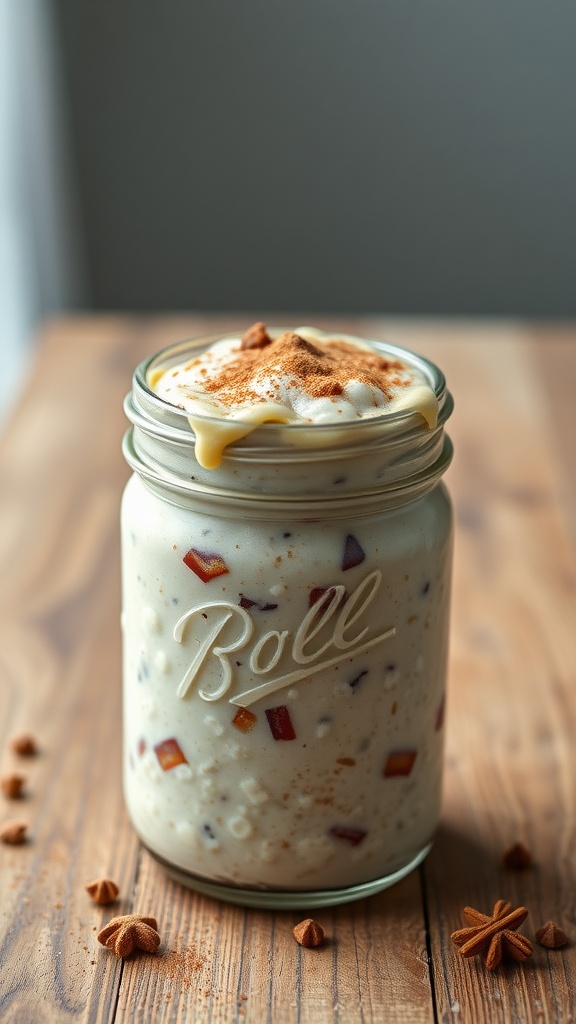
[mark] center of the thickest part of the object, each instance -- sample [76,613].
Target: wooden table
[511,766]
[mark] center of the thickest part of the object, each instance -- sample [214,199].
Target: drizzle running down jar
[286,577]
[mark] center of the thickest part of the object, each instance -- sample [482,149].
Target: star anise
[129,932]
[495,935]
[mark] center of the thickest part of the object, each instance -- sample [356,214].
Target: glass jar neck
[333,470]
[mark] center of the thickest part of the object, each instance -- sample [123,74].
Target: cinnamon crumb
[255,337]
[309,933]
[517,857]
[24,745]
[12,785]
[13,832]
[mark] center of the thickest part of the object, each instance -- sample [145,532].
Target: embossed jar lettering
[315,621]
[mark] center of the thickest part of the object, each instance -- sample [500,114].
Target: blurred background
[380,156]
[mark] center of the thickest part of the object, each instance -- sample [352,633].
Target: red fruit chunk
[206,566]
[280,723]
[244,720]
[317,592]
[262,606]
[169,754]
[400,762]
[351,835]
[353,553]
[315,595]
[141,746]
[440,714]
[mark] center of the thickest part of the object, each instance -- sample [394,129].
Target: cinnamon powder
[322,372]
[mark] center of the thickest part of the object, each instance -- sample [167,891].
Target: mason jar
[285,623]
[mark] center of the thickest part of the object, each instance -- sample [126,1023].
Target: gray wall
[40,262]
[349,155]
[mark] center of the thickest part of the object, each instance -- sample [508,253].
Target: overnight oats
[286,573]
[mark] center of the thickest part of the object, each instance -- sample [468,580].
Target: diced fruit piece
[169,754]
[315,595]
[206,566]
[349,834]
[280,723]
[440,714]
[399,762]
[353,683]
[262,606]
[141,746]
[353,553]
[244,720]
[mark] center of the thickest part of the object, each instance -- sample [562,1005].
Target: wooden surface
[511,766]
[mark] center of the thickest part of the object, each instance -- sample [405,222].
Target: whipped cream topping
[301,376]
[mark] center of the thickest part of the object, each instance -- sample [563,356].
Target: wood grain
[510,765]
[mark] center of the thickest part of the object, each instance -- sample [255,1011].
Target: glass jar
[285,622]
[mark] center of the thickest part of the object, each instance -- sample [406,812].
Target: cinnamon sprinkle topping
[322,372]
[307,377]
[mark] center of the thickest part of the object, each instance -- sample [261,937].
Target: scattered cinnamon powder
[182,965]
[321,371]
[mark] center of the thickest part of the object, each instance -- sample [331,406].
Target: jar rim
[387,459]
[267,433]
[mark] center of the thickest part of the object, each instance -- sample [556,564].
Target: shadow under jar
[285,621]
